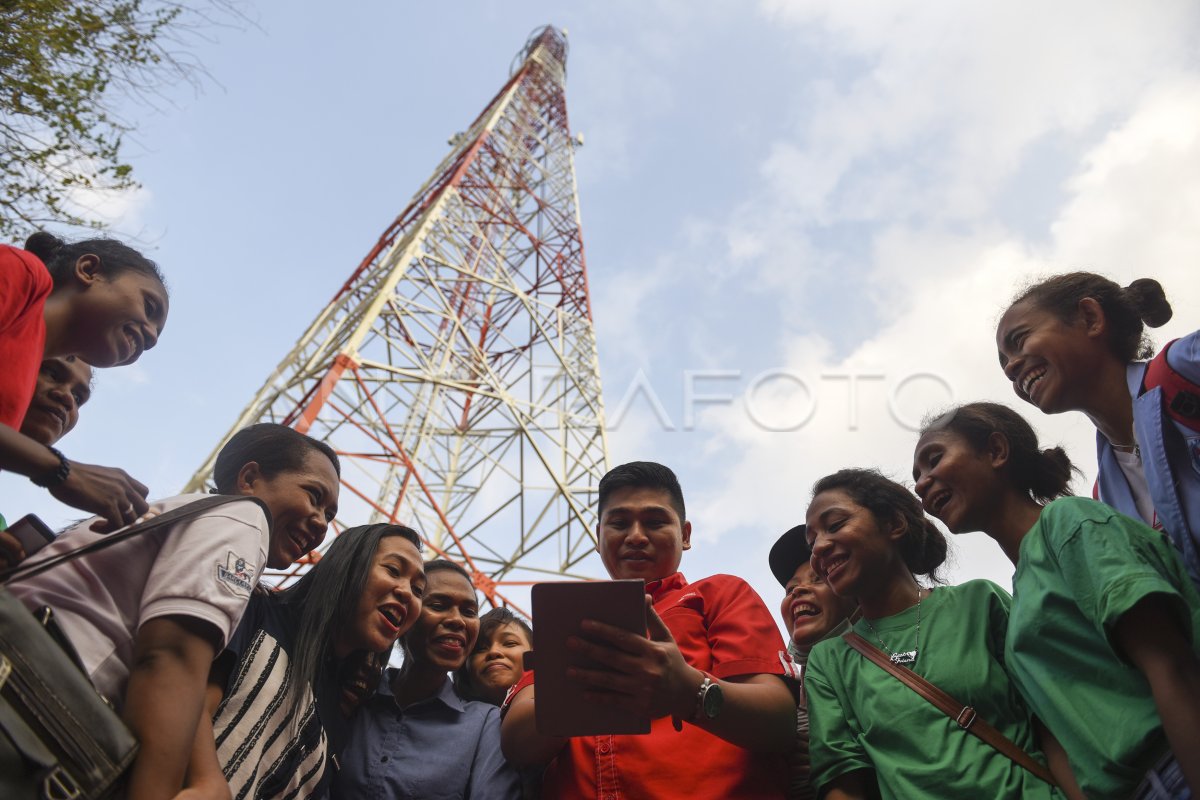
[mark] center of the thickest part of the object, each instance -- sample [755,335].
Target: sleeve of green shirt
[834,741]
[1110,562]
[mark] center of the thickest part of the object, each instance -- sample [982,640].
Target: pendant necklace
[908,656]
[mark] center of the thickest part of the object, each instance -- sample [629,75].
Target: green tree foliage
[63,64]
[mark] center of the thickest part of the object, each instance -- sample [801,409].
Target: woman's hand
[107,491]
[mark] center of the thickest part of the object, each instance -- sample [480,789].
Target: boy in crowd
[710,676]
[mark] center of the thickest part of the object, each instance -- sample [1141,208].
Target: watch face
[713,700]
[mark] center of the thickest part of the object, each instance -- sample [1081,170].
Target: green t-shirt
[861,717]
[1081,567]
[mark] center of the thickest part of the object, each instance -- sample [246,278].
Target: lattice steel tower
[455,372]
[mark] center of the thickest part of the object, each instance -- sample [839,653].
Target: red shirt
[723,628]
[24,286]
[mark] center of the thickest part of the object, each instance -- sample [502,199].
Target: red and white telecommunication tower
[455,373]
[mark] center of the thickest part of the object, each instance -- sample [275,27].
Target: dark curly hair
[277,448]
[1044,474]
[1127,310]
[115,257]
[924,548]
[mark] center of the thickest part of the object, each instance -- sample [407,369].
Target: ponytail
[1049,474]
[926,551]
[1149,302]
[44,245]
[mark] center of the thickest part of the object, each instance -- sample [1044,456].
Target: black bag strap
[27,569]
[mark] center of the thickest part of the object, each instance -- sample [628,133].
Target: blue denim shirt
[435,749]
[1170,458]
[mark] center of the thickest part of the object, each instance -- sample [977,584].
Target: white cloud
[1136,200]
[1129,212]
[946,97]
[120,209]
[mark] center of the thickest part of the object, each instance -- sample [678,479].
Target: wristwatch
[709,699]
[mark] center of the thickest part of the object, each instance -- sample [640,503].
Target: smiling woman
[1108,586]
[99,301]
[869,538]
[275,694]
[63,386]
[497,660]
[417,737]
[811,613]
[148,615]
[1076,342]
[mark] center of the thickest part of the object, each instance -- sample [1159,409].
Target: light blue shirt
[1170,458]
[442,748]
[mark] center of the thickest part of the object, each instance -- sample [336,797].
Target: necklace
[908,656]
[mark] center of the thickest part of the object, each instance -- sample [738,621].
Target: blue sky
[787,192]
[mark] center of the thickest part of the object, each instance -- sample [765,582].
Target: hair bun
[1050,477]
[44,245]
[1148,299]
[934,550]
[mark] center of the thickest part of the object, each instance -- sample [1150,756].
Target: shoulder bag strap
[28,569]
[965,716]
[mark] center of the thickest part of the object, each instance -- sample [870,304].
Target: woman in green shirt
[1105,623]
[869,540]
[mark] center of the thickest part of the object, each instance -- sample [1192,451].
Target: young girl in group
[869,541]
[812,613]
[63,385]
[148,615]
[97,300]
[1074,343]
[1104,626]
[497,660]
[417,737]
[275,693]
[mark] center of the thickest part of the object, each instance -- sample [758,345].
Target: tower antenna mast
[455,372]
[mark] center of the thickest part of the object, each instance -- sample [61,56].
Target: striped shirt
[268,745]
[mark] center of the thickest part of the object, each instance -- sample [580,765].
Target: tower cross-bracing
[455,372]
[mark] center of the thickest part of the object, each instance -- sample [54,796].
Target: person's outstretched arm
[1057,761]
[523,746]
[1149,635]
[205,780]
[107,491]
[165,700]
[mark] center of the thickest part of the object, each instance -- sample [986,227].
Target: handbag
[965,716]
[59,738]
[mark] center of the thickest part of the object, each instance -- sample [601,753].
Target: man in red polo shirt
[711,675]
